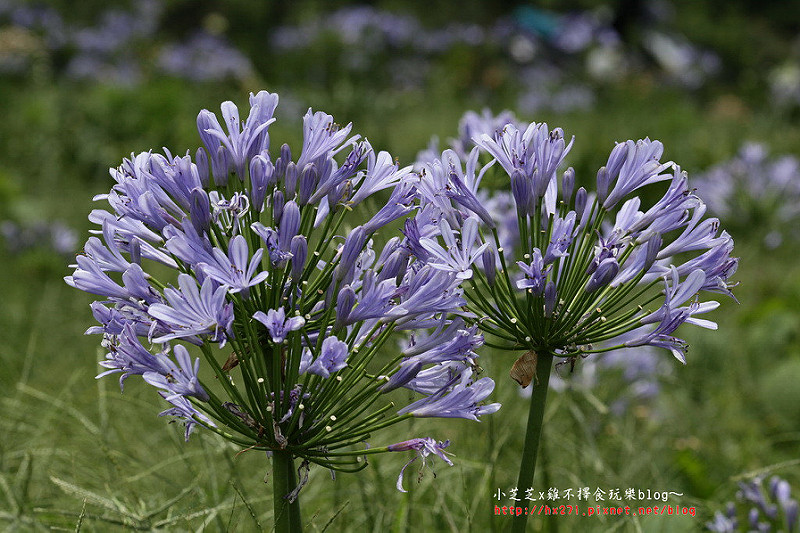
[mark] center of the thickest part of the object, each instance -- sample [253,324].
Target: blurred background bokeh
[84,84]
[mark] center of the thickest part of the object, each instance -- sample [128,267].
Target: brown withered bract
[523,371]
[230,363]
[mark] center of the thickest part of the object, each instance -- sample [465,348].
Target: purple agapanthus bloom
[182,408]
[180,379]
[460,399]
[192,312]
[326,299]
[243,141]
[233,269]
[277,324]
[535,273]
[424,448]
[332,358]
[128,357]
[457,257]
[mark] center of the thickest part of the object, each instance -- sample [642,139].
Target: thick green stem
[287,515]
[534,432]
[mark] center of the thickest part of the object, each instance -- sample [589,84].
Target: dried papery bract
[566,272]
[267,262]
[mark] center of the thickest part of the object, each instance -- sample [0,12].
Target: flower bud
[292,173]
[307,183]
[489,263]
[350,251]
[289,225]
[200,210]
[286,155]
[606,271]
[344,304]
[261,171]
[278,202]
[201,160]
[568,185]
[580,203]
[550,298]
[393,265]
[299,250]
[520,189]
[603,181]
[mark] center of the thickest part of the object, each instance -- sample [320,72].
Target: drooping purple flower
[460,400]
[182,408]
[127,356]
[192,312]
[277,324]
[424,447]
[180,379]
[606,271]
[398,205]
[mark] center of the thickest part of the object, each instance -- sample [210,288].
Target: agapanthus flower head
[583,269]
[256,251]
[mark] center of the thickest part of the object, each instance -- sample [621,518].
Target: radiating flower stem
[287,515]
[533,433]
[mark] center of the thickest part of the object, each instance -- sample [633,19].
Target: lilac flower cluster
[755,190]
[583,270]
[110,50]
[770,510]
[265,262]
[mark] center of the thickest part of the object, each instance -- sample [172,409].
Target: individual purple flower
[460,399]
[426,292]
[398,205]
[127,356]
[277,324]
[535,274]
[192,312]
[242,141]
[182,408]
[234,269]
[382,172]
[456,256]
[332,358]
[424,448]
[322,136]
[560,238]
[181,379]
[633,165]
